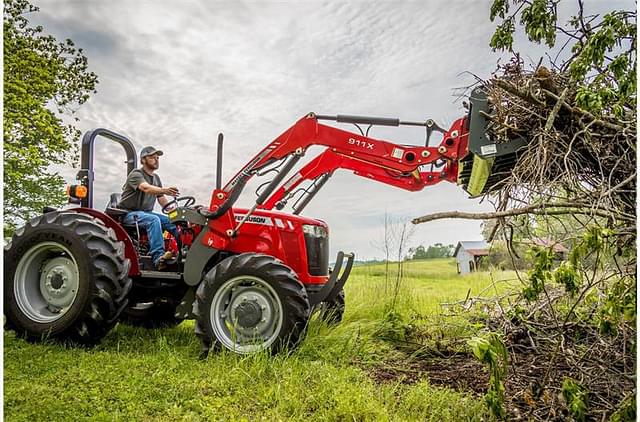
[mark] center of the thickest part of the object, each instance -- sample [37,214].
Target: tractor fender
[121,235]
[197,258]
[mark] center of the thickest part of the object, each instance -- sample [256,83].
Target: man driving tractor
[139,193]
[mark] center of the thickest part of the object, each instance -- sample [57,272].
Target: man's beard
[153,165]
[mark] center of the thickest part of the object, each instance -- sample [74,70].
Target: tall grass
[137,374]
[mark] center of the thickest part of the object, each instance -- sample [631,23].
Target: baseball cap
[149,151]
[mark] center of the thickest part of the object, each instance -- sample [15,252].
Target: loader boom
[398,165]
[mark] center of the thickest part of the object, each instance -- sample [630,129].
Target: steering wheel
[188,201]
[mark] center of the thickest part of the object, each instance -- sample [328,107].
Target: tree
[433,251]
[418,252]
[603,50]
[44,82]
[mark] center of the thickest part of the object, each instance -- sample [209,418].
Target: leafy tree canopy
[602,56]
[44,81]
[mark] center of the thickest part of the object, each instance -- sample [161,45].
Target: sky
[173,74]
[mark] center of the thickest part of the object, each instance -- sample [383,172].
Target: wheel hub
[252,311]
[248,314]
[59,282]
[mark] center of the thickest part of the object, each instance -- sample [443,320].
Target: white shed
[468,254]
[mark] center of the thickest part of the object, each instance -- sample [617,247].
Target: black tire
[85,250]
[332,311]
[157,316]
[259,278]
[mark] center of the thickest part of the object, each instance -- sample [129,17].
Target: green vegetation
[44,82]
[433,251]
[603,50]
[138,374]
[491,350]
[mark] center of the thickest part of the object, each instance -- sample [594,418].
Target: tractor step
[161,274]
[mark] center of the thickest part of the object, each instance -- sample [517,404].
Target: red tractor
[249,277]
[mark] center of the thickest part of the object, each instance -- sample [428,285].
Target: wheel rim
[246,314]
[46,282]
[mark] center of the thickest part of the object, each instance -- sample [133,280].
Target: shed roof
[480,247]
[478,252]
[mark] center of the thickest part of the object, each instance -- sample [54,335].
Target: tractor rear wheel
[65,278]
[332,311]
[251,302]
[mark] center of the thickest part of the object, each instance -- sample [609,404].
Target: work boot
[163,261]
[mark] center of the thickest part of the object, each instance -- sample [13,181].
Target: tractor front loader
[251,278]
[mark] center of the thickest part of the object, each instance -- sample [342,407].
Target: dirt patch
[533,384]
[459,372]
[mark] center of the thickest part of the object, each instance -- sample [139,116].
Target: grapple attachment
[487,163]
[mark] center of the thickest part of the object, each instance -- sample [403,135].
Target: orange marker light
[81,191]
[77,191]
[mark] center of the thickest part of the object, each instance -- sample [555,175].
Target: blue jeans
[154,224]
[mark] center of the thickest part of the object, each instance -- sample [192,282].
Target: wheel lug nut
[263,307]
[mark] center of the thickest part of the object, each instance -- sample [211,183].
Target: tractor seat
[118,214]
[112,209]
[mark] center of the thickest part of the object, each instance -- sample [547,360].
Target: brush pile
[573,157]
[578,171]
[561,369]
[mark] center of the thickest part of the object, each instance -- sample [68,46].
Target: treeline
[431,252]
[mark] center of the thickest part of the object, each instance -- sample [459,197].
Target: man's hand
[171,191]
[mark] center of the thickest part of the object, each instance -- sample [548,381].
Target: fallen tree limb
[566,208]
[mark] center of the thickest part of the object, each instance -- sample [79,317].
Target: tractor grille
[317,253]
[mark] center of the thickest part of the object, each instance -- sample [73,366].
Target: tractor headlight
[315,231]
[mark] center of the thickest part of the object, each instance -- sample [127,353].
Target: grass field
[137,374]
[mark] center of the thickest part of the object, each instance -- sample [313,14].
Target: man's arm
[158,191]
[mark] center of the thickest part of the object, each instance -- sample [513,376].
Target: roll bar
[85,174]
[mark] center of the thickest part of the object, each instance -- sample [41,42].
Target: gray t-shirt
[132,198]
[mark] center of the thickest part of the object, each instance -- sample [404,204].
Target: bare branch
[573,208]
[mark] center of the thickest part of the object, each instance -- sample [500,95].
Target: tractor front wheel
[65,278]
[251,302]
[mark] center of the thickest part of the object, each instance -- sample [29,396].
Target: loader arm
[466,155]
[308,131]
[387,162]
[322,167]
